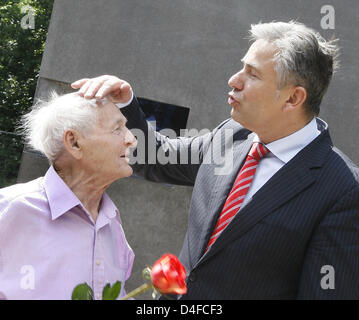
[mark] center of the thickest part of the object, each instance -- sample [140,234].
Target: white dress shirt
[281,152]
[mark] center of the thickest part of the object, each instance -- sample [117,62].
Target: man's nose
[236,81]
[130,139]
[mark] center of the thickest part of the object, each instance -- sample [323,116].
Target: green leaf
[111,293]
[82,292]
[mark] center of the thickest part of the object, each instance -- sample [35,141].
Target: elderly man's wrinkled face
[106,148]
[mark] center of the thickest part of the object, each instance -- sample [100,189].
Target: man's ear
[296,99]
[72,142]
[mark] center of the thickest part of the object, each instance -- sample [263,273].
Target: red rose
[168,275]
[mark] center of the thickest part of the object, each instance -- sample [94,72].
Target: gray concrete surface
[182,52]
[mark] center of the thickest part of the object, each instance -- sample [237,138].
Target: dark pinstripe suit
[305,217]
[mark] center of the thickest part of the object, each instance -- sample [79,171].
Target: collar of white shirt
[286,148]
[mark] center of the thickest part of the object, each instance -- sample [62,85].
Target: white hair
[303,58]
[44,126]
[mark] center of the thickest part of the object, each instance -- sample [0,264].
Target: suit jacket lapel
[221,186]
[290,180]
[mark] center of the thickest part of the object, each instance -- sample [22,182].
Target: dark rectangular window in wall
[167,116]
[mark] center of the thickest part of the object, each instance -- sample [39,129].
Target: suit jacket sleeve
[331,267]
[163,159]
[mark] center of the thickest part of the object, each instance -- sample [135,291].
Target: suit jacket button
[192,277]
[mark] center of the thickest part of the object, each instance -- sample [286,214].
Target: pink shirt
[49,243]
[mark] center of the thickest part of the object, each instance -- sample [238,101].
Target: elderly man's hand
[118,90]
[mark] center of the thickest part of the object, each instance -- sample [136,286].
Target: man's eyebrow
[120,121]
[251,66]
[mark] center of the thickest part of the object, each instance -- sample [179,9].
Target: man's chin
[125,172]
[129,171]
[235,116]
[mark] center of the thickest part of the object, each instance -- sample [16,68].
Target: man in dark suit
[283,222]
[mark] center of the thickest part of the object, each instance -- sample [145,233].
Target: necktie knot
[258,151]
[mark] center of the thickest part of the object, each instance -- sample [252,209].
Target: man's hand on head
[119,91]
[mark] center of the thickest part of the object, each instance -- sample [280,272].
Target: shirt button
[98,296]
[98,262]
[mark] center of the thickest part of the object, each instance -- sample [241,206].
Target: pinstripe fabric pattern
[239,190]
[305,217]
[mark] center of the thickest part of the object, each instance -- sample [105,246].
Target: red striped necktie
[239,190]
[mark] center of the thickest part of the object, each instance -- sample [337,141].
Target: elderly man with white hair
[62,229]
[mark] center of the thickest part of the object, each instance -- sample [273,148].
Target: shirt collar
[286,148]
[108,207]
[62,199]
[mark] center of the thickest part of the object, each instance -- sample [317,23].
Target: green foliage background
[20,58]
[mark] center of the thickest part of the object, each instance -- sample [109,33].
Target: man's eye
[252,75]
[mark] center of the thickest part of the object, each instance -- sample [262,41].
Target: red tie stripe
[239,190]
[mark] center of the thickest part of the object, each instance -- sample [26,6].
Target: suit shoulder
[340,172]
[344,164]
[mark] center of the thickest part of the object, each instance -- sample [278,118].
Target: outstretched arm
[158,157]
